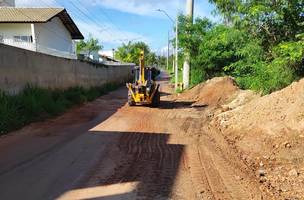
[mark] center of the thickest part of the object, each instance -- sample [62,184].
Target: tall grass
[36,104]
[180,77]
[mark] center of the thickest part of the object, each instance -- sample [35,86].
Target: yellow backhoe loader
[144,90]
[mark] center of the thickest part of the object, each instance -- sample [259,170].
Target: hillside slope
[269,132]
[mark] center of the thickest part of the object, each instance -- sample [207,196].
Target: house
[47,30]
[108,59]
[108,56]
[97,57]
[89,56]
[107,53]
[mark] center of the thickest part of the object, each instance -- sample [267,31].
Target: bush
[229,51]
[259,46]
[285,67]
[267,78]
[220,53]
[35,104]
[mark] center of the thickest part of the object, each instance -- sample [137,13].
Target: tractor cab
[148,75]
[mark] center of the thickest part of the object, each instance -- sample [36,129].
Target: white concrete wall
[9,30]
[51,38]
[19,67]
[54,35]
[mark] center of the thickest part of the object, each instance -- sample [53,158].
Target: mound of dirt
[213,92]
[269,132]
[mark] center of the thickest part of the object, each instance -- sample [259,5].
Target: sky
[114,22]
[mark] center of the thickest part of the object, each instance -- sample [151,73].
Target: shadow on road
[31,153]
[143,158]
[162,94]
[175,104]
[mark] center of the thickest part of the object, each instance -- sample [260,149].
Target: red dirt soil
[108,150]
[267,132]
[214,141]
[213,92]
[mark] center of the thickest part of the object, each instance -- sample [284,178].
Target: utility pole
[113,53]
[186,67]
[173,60]
[176,45]
[168,53]
[176,53]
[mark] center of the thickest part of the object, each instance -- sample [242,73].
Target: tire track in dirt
[158,160]
[204,189]
[213,176]
[233,179]
[171,154]
[199,180]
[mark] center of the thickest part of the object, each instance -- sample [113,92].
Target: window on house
[23,39]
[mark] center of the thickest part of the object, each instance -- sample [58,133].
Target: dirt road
[107,150]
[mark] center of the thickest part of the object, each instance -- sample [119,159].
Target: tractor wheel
[131,101]
[156,99]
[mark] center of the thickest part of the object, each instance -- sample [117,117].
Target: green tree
[162,62]
[151,59]
[90,45]
[260,43]
[272,21]
[130,53]
[191,35]
[228,50]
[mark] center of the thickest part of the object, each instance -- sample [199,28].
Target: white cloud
[36,3]
[163,51]
[149,7]
[138,7]
[106,33]
[109,34]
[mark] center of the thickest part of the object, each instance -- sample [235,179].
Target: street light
[176,45]
[113,53]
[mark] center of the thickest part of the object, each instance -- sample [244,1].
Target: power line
[110,32]
[54,31]
[18,10]
[80,12]
[50,6]
[104,14]
[110,22]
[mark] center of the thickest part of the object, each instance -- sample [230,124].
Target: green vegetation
[90,45]
[35,104]
[162,62]
[130,53]
[260,43]
[172,77]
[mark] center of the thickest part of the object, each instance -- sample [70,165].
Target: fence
[19,67]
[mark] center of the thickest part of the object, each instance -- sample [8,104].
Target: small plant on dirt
[179,90]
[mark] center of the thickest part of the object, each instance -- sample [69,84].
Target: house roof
[39,15]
